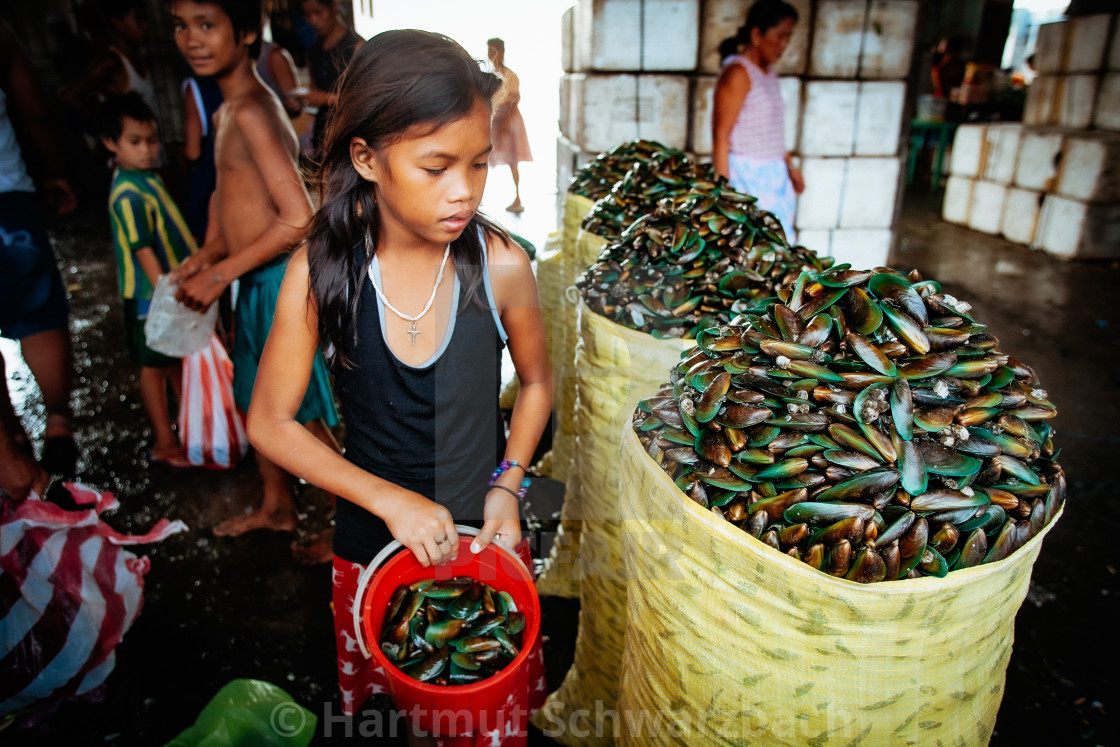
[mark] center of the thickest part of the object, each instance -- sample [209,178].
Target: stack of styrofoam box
[853,99]
[1081,217]
[1079,74]
[625,65]
[1052,183]
[1055,189]
[842,80]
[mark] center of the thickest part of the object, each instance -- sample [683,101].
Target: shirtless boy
[258,213]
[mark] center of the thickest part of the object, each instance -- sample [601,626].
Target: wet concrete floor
[220,609]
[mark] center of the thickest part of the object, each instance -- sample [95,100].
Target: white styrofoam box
[987,206]
[829,122]
[610,109]
[958,200]
[889,39]
[1086,43]
[819,240]
[720,19]
[1039,109]
[1090,168]
[1069,228]
[567,41]
[837,38]
[790,88]
[569,159]
[1037,163]
[862,248]
[700,137]
[1002,151]
[969,151]
[1020,215]
[1107,114]
[870,188]
[1076,96]
[564,113]
[819,205]
[657,35]
[1050,47]
[879,117]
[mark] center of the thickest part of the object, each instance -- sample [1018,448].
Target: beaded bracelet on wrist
[502,468]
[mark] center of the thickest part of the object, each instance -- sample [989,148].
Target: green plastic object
[248,713]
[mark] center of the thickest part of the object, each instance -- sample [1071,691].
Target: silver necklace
[439,278]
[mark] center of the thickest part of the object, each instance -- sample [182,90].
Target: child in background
[327,57]
[151,238]
[259,212]
[416,295]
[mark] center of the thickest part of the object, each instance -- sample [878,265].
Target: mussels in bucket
[864,423]
[454,632]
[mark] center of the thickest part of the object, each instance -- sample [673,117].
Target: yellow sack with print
[731,642]
[615,367]
[555,578]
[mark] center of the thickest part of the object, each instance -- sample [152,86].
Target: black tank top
[435,429]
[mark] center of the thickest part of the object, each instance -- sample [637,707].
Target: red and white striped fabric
[68,594]
[211,427]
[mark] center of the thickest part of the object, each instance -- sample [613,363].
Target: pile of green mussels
[595,179]
[667,175]
[453,632]
[694,264]
[863,423]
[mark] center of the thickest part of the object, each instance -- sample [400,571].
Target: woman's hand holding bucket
[501,521]
[424,527]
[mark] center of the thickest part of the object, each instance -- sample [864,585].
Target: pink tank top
[759,130]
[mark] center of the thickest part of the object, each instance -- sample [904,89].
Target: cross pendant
[414,332]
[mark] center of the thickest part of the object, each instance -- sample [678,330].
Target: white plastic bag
[172,328]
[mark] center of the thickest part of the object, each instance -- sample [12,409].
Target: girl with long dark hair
[414,295]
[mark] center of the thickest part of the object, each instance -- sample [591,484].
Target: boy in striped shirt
[151,238]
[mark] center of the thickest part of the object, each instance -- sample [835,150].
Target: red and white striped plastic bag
[211,427]
[68,594]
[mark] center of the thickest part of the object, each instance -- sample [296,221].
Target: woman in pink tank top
[748,117]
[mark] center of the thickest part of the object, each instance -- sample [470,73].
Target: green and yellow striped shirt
[144,215]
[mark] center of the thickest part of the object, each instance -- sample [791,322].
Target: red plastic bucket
[452,710]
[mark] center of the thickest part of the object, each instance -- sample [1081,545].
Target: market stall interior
[919,394]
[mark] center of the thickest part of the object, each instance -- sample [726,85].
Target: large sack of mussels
[837,503]
[678,270]
[580,249]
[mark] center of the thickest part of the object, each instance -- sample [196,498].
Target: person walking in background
[327,57]
[121,67]
[277,68]
[511,141]
[151,239]
[33,305]
[416,294]
[748,115]
[260,211]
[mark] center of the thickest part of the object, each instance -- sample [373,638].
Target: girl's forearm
[720,152]
[299,452]
[527,423]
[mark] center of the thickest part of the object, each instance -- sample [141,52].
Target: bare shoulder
[503,251]
[258,112]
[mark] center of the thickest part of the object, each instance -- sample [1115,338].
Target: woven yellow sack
[576,208]
[731,642]
[615,367]
[556,577]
